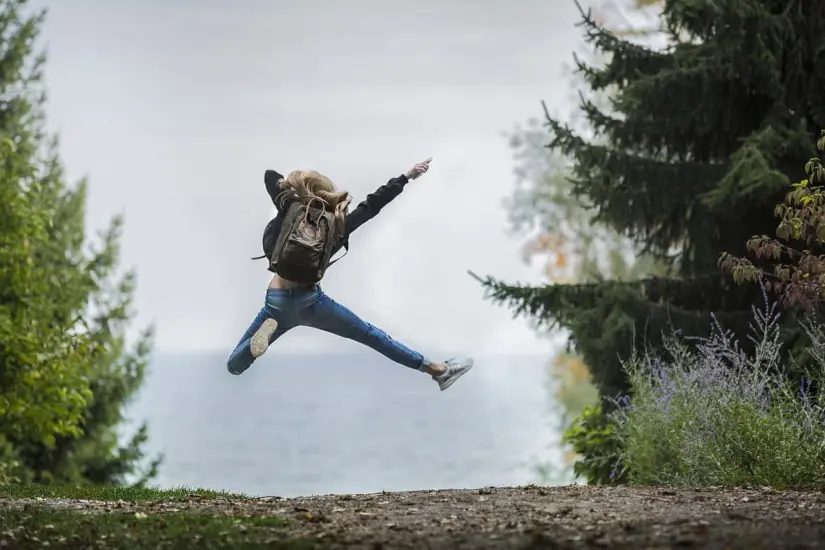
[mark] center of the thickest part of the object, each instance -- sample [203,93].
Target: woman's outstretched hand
[419,169]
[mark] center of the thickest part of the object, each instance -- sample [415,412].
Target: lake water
[317,424]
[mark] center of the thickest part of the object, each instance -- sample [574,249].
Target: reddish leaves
[788,264]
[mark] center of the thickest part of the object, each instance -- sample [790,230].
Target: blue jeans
[310,307]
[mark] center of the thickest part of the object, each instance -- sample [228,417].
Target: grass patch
[35,527]
[108,493]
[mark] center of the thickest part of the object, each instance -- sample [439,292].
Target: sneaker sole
[453,380]
[260,340]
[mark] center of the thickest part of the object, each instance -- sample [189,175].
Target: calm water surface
[317,424]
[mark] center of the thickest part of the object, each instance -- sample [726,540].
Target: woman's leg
[263,331]
[328,315]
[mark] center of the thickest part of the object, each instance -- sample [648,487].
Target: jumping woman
[312,224]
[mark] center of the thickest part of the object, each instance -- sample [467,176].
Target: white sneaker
[259,342]
[456,368]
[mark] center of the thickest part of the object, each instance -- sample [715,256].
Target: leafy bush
[794,263]
[708,414]
[593,437]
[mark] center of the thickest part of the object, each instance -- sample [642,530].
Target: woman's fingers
[419,169]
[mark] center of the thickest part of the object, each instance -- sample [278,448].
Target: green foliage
[614,318]
[711,415]
[66,371]
[697,146]
[44,378]
[795,273]
[593,436]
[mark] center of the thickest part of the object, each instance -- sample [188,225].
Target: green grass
[114,493]
[33,528]
[38,526]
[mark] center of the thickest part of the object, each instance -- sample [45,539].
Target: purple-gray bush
[708,414]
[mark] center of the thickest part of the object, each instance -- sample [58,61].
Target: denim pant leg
[241,357]
[328,315]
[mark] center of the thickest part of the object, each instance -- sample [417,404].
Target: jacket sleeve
[374,202]
[272,181]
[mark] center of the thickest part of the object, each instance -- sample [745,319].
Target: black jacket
[362,213]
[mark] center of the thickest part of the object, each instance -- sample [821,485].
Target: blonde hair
[306,185]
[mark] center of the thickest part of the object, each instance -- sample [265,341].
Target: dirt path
[526,517]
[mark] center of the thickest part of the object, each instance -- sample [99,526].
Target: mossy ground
[105,518]
[110,493]
[33,528]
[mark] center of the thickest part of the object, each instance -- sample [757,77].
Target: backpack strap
[341,236]
[291,216]
[346,250]
[319,199]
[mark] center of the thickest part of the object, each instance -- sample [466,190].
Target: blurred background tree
[558,227]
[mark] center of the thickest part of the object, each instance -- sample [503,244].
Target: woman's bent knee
[236,366]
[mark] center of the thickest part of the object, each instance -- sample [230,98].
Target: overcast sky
[174,110]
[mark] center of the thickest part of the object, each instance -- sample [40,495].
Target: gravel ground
[522,517]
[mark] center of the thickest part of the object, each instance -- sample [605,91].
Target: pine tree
[559,228]
[690,160]
[66,370]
